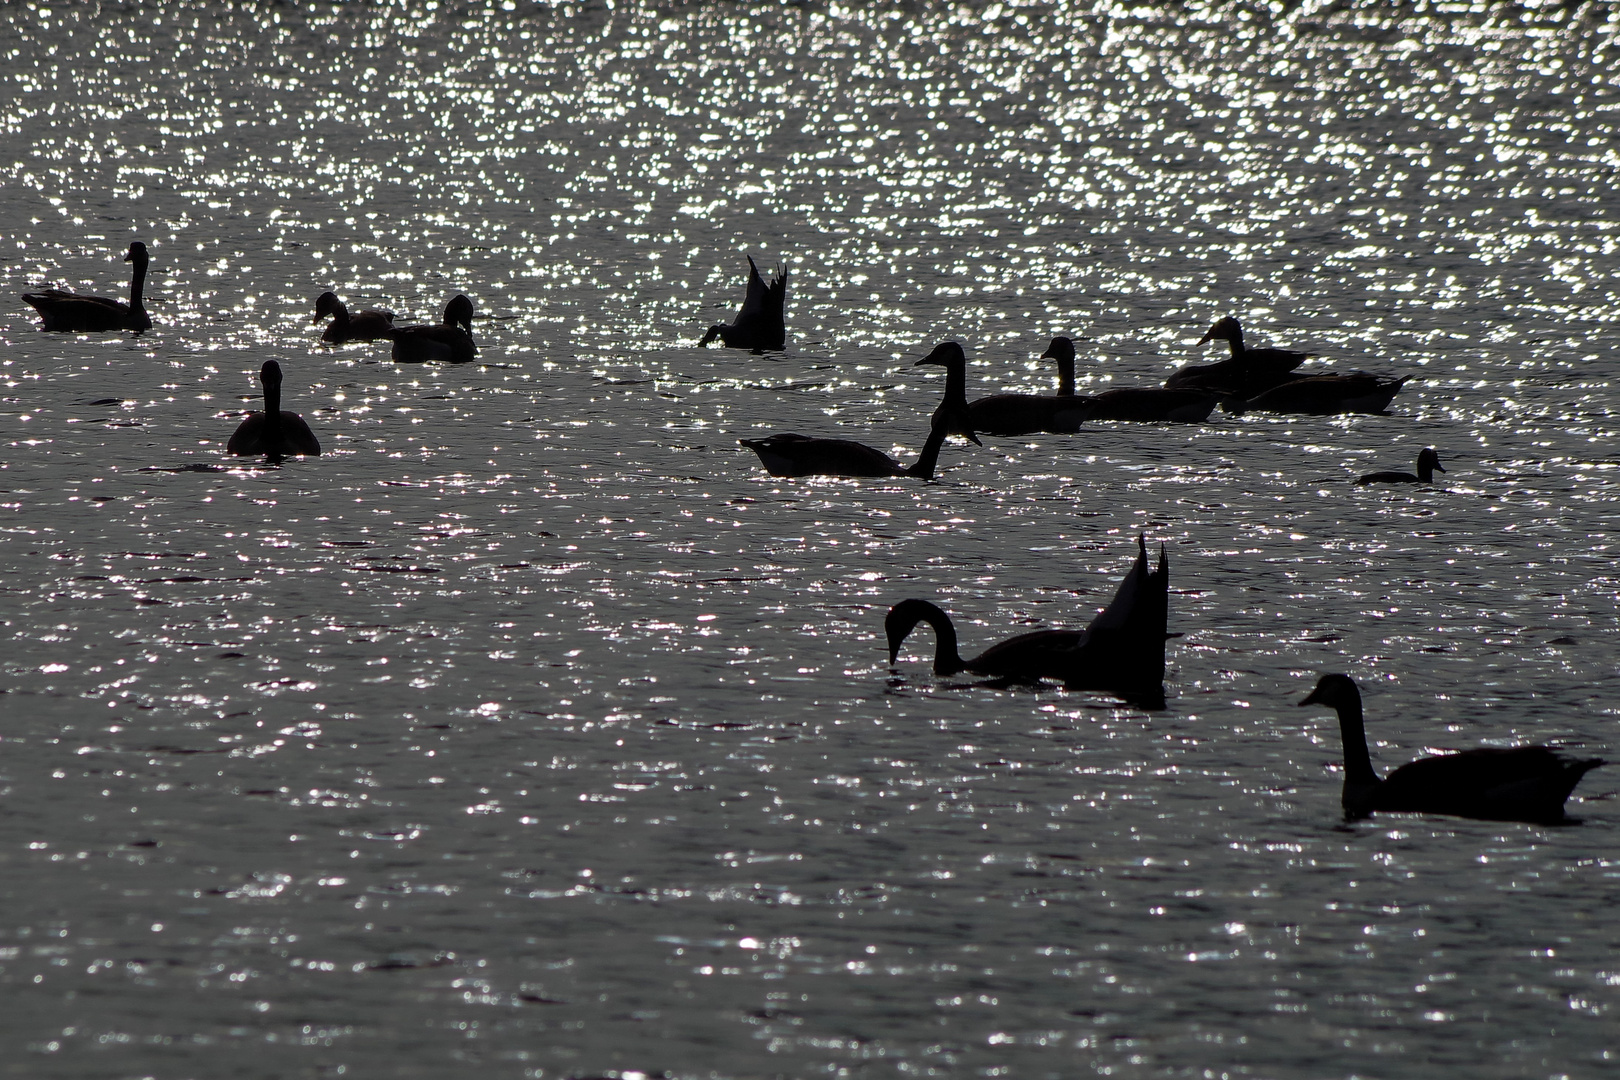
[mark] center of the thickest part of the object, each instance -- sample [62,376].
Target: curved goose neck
[1358,768]
[923,467]
[1235,340]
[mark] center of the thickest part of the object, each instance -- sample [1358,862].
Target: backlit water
[533,730]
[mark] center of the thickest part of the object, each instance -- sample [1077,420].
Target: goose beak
[1210,336]
[1310,699]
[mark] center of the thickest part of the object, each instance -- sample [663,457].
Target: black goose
[450,341]
[363,326]
[1121,651]
[1324,395]
[953,410]
[1520,783]
[273,431]
[1249,372]
[62,310]
[1025,414]
[761,324]
[1427,462]
[800,455]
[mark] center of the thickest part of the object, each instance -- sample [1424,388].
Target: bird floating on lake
[61,310]
[1248,373]
[1025,414]
[273,432]
[362,326]
[450,341]
[953,411]
[1120,651]
[1324,395]
[1520,783]
[761,324]
[1428,461]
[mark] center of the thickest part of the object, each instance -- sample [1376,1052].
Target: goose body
[1026,414]
[1325,395]
[1121,651]
[1249,371]
[800,455]
[1152,405]
[1520,783]
[66,311]
[761,323]
[362,326]
[450,341]
[273,432]
[1427,462]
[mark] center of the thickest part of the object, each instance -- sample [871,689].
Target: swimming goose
[1249,372]
[62,310]
[364,326]
[952,412]
[450,341]
[1025,414]
[1427,462]
[1520,783]
[1121,651]
[273,432]
[761,324]
[801,455]
[1324,395]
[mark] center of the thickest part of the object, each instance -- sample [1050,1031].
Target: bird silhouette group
[1122,650]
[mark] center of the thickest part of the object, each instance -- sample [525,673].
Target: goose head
[136,254]
[326,304]
[1336,692]
[1226,329]
[946,354]
[270,375]
[1429,458]
[1060,349]
[459,312]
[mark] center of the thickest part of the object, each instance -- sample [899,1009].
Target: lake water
[534,731]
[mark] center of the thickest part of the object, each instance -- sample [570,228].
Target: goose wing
[1039,654]
[1521,783]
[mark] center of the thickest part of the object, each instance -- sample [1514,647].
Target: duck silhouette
[1248,373]
[362,326]
[1121,651]
[1428,461]
[450,341]
[1026,414]
[761,323]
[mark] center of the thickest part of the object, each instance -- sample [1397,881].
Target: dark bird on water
[449,341]
[273,432]
[1428,461]
[791,454]
[1520,783]
[1248,373]
[761,324]
[1324,395]
[362,326]
[1121,651]
[1025,414]
[67,311]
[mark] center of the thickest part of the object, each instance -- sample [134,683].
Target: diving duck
[761,324]
[1519,783]
[449,341]
[364,326]
[273,432]
[1121,651]
[60,310]
[1428,461]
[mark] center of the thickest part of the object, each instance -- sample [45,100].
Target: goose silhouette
[761,323]
[1324,395]
[1248,373]
[1120,651]
[1520,783]
[1026,414]
[449,341]
[61,310]
[363,326]
[273,432]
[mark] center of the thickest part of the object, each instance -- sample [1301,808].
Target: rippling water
[534,730]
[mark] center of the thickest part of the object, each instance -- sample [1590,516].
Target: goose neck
[1358,768]
[947,661]
[923,467]
[1065,376]
[137,286]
